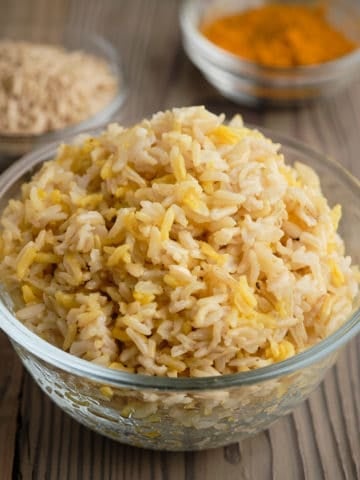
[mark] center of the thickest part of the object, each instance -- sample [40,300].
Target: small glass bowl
[15,145]
[185,413]
[256,85]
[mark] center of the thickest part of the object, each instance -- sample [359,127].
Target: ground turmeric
[280,35]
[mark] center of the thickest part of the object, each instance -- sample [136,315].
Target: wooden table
[321,439]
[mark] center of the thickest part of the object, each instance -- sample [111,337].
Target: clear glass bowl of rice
[252,84]
[185,413]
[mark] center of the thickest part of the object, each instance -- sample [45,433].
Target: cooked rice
[179,247]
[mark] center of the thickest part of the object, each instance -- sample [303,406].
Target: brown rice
[180,247]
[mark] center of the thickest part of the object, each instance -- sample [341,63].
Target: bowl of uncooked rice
[56,84]
[182,283]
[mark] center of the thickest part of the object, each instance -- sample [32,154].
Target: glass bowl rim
[109,54]
[223,59]
[23,337]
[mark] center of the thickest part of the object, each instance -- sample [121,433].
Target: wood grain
[321,439]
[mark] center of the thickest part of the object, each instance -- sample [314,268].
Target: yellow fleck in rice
[28,294]
[107,392]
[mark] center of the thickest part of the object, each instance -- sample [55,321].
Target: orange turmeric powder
[280,35]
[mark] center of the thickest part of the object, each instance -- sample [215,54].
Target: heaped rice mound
[181,247]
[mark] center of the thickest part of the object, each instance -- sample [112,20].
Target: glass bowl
[255,85]
[72,39]
[184,413]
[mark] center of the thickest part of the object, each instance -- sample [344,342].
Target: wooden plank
[11,378]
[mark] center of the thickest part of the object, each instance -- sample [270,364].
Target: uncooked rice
[182,246]
[45,87]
